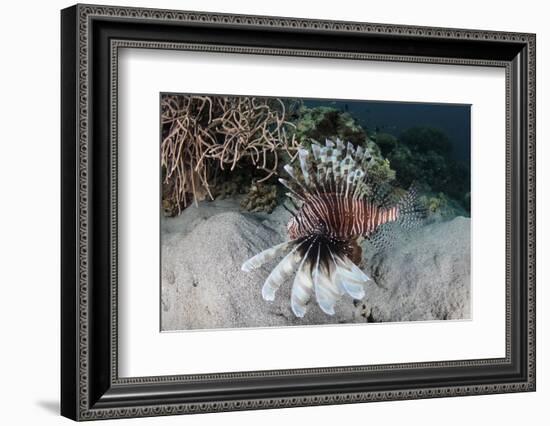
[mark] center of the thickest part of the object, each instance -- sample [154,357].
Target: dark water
[396,117]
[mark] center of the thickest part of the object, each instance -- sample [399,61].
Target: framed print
[263,212]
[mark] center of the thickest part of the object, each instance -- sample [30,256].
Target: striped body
[339,217]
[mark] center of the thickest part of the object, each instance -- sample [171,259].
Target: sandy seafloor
[425,276]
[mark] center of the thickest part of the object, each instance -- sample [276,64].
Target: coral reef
[437,203]
[380,170]
[223,146]
[325,122]
[228,185]
[426,139]
[204,134]
[386,142]
[423,155]
[440,206]
[260,198]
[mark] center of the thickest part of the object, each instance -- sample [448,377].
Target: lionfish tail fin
[411,212]
[410,215]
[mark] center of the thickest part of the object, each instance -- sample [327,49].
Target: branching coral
[201,134]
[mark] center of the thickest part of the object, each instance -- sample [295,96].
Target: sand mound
[203,286]
[427,278]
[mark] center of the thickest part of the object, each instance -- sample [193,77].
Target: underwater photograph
[291,211]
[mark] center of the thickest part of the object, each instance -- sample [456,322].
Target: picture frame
[91,37]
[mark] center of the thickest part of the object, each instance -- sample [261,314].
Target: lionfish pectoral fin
[265,256]
[301,290]
[350,277]
[279,274]
[351,287]
[325,299]
[351,270]
[326,291]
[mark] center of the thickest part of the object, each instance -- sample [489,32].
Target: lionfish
[338,204]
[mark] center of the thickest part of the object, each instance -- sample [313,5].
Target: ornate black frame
[91,37]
